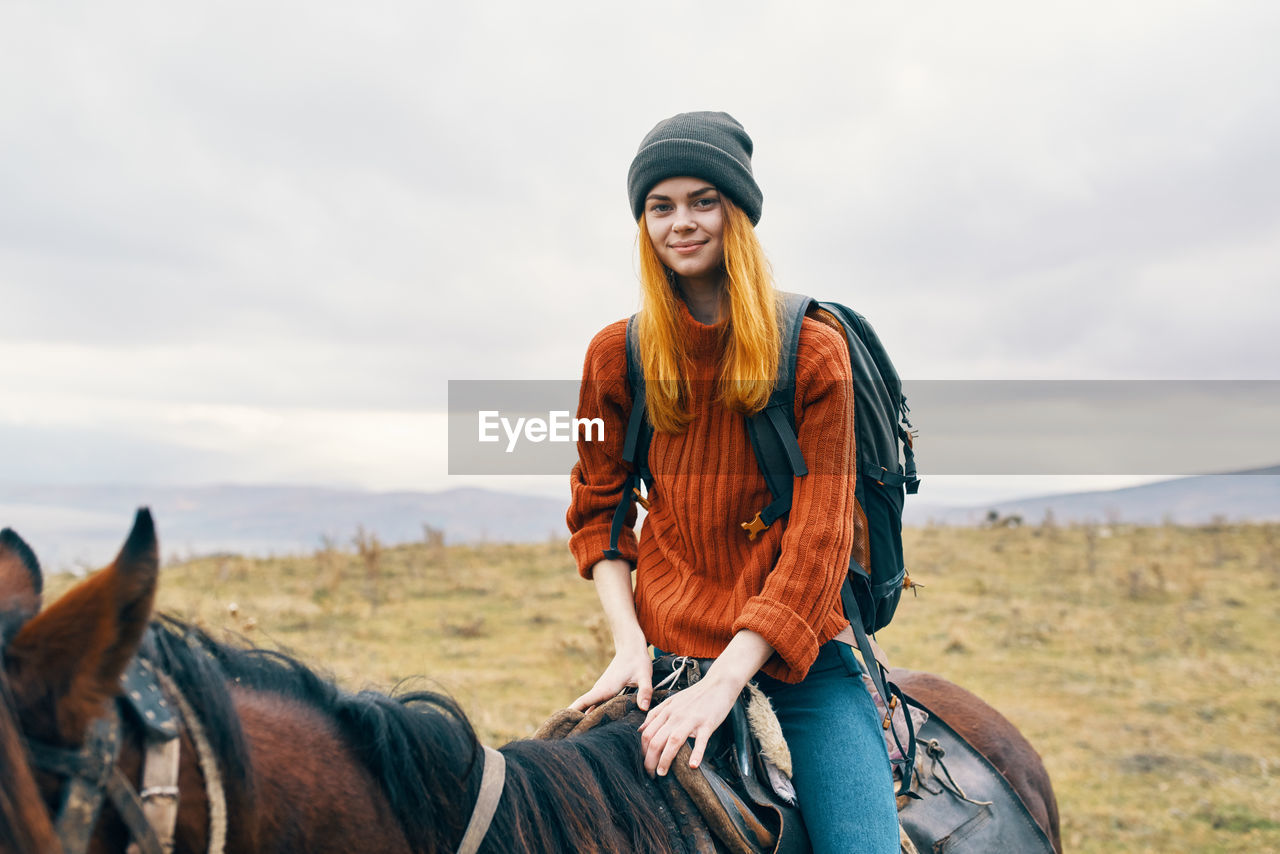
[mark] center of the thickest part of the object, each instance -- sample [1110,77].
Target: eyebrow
[699,192]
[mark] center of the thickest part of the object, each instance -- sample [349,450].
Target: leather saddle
[960,805]
[964,805]
[728,803]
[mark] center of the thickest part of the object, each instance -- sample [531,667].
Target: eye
[659,207]
[706,202]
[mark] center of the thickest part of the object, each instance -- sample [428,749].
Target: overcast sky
[251,242]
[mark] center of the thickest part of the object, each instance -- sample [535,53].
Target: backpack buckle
[888,715]
[754,527]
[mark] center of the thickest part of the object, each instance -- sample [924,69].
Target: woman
[766,607]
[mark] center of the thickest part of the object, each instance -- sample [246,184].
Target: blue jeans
[843,780]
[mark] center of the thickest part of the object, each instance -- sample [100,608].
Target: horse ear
[70,657]
[20,584]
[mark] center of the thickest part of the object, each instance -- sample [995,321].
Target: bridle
[94,776]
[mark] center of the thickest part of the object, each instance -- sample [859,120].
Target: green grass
[1142,662]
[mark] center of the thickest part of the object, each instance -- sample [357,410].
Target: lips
[688,247]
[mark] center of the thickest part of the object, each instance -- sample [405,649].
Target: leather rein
[93,775]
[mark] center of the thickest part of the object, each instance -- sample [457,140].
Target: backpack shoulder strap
[772,430]
[881,406]
[794,307]
[635,447]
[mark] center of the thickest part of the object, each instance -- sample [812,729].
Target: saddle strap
[132,812]
[492,781]
[159,795]
[215,794]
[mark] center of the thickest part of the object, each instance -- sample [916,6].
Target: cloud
[68,440]
[280,207]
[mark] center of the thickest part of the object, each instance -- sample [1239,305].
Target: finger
[657,715]
[650,752]
[651,744]
[651,725]
[644,691]
[699,747]
[589,699]
[653,753]
[673,745]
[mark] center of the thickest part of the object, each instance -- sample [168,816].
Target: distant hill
[83,526]
[1252,496]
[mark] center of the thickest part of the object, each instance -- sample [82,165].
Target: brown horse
[296,764]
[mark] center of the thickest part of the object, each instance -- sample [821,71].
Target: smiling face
[685,220]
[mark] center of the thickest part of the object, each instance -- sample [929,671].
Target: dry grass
[1143,663]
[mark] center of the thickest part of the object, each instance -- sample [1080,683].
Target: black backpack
[885,463]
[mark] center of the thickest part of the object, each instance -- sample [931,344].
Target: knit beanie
[706,145]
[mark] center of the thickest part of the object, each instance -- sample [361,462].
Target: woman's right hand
[631,665]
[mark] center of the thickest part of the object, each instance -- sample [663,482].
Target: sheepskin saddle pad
[740,798]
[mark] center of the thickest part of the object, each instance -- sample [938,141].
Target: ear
[20,584]
[65,664]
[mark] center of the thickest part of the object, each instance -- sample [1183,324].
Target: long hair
[751,338]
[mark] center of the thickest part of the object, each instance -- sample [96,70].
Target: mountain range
[81,527]
[1247,496]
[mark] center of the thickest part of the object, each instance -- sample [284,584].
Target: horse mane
[586,793]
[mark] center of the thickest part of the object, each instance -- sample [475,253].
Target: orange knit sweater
[698,577]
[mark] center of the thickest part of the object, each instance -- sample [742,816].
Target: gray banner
[1031,427]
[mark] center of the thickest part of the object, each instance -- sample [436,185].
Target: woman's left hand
[694,713]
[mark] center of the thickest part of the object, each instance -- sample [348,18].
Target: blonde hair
[751,337]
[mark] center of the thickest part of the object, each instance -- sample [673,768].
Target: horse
[273,757]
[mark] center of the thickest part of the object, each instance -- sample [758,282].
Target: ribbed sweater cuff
[786,631]
[588,545]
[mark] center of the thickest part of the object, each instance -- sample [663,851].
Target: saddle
[739,798]
[963,805]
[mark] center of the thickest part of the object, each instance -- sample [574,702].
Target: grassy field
[1143,662]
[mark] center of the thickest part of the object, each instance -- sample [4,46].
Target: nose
[683,220]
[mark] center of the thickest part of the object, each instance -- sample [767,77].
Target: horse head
[62,669]
[24,819]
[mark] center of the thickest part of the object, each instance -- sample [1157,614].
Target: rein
[93,775]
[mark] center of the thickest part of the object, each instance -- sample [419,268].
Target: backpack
[886,469]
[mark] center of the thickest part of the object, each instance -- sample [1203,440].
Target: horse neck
[352,772]
[584,793]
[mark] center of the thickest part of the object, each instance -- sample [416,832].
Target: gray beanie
[710,146]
